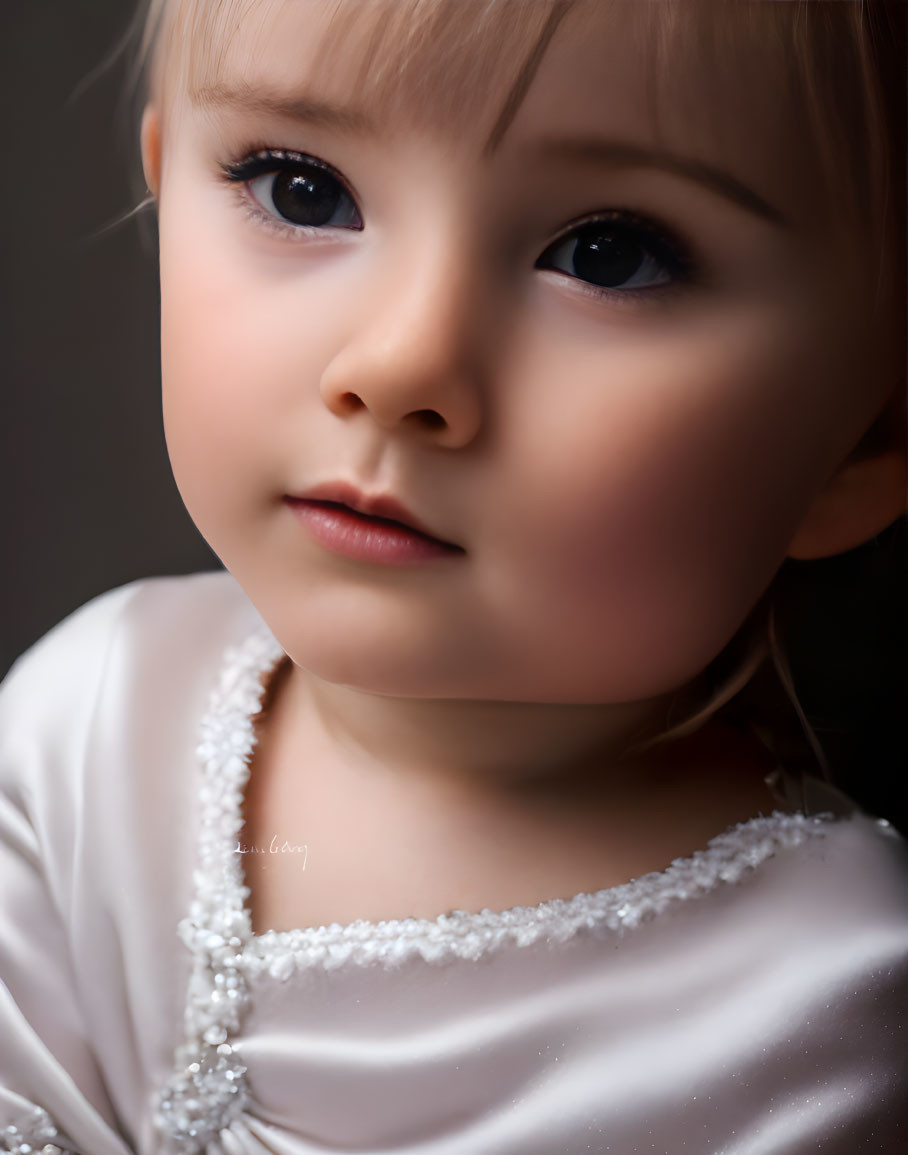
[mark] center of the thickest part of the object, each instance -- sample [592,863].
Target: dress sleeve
[52,1093]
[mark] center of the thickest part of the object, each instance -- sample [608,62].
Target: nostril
[350,402]
[429,418]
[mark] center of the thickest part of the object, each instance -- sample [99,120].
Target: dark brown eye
[297,190]
[312,199]
[615,254]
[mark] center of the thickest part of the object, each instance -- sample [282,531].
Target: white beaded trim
[22,1138]
[468,935]
[208,1089]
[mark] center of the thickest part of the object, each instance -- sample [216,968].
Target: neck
[521,753]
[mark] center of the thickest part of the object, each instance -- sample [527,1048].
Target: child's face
[621,430]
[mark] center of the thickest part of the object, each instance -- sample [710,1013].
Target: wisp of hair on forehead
[438,63]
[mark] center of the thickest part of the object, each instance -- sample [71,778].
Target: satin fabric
[765,1017]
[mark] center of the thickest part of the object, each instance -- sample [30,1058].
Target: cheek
[205,355]
[235,358]
[659,498]
[206,400]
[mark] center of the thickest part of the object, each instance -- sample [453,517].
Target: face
[599,351]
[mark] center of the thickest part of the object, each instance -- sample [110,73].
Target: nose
[414,359]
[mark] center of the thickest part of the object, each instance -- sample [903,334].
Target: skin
[625,474]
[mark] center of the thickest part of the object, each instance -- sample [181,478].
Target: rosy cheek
[658,505]
[205,374]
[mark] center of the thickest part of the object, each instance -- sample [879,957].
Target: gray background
[89,502]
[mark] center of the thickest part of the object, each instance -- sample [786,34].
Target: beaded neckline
[227,741]
[208,1089]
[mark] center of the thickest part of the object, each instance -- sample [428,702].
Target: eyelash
[672,255]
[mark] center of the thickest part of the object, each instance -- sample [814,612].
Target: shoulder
[151,632]
[828,959]
[857,890]
[826,904]
[855,869]
[831,912]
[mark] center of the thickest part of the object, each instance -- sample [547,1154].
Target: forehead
[706,82]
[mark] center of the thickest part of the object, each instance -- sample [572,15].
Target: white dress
[749,1000]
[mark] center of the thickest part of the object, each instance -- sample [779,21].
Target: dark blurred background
[89,498]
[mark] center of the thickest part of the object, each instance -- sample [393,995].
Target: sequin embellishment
[208,1090]
[23,1137]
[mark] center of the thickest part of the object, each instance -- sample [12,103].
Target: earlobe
[861,499]
[150,138]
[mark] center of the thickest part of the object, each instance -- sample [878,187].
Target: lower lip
[365,538]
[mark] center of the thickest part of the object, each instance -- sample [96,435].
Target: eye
[620,253]
[297,191]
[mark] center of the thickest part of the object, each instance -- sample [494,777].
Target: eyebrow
[615,152]
[261,101]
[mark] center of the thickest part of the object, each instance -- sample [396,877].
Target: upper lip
[371,505]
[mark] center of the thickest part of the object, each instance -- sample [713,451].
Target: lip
[367,527]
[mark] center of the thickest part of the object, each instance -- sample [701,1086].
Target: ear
[150,137]
[866,494]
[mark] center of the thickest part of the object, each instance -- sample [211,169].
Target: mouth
[369,528]
[375,519]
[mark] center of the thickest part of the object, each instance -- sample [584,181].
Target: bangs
[436,62]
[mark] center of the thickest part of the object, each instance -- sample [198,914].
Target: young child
[509,348]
